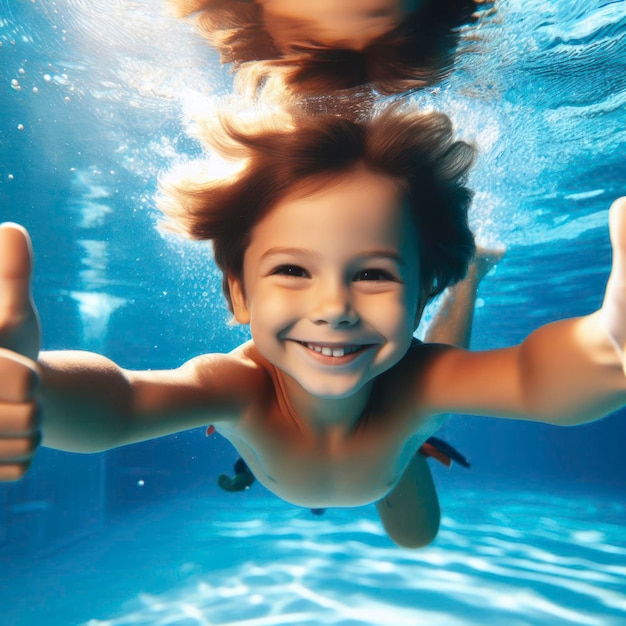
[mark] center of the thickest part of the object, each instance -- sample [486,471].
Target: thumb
[19,327]
[614,307]
[617,226]
[15,268]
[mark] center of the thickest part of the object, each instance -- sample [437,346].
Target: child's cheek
[273,309]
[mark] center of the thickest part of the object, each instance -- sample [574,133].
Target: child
[451,325]
[332,236]
[326,46]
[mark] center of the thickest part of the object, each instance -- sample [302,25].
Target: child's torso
[315,470]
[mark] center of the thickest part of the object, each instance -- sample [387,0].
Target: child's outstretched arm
[86,402]
[568,372]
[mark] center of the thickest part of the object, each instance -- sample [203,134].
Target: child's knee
[417,537]
[409,526]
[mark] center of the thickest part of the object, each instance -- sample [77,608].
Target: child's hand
[614,307]
[19,347]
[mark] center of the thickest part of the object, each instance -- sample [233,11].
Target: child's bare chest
[325,469]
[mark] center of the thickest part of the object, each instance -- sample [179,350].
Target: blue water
[195,561]
[91,103]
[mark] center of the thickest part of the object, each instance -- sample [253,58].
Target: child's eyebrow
[286,250]
[371,254]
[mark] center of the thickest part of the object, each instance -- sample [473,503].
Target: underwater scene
[95,99]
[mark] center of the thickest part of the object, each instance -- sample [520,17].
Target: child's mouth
[333,351]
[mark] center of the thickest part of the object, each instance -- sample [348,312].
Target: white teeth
[335,352]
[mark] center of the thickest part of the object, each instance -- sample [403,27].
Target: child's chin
[335,392]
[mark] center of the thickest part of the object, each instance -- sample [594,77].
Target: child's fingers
[11,472]
[19,439]
[18,449]
[19,420]
[19,377]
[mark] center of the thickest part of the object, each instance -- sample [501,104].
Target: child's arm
[568,372]
[88,403]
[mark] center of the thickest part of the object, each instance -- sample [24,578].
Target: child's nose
[334,307]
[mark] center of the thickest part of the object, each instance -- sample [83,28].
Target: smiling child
[332,235]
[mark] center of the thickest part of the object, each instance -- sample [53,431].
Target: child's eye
[374,274]
[290,270]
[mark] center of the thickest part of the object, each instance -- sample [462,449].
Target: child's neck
[336,417]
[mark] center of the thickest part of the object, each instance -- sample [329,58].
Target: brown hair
[419,52]
[278,153]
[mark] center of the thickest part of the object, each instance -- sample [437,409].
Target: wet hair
[418,53]
[277,154]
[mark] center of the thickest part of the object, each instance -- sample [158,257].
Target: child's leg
[410,512]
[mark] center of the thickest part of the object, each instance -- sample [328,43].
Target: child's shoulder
[249,356]
[418,358]
[243,368]
[418,351]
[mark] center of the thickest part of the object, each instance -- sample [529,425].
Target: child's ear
[238,298]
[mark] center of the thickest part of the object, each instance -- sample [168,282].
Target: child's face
[346,23]
[331,283]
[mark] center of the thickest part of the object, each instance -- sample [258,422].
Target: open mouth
[335,351]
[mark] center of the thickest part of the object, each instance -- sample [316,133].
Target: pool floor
[502,557]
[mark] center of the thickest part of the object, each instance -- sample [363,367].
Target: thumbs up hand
[20,338]
[614,307]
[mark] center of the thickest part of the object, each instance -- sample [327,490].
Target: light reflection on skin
[351,24]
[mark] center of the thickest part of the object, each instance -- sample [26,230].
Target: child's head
[327,46]
[293,155]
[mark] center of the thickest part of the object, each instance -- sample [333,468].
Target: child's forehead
[336,183]
[360,204]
